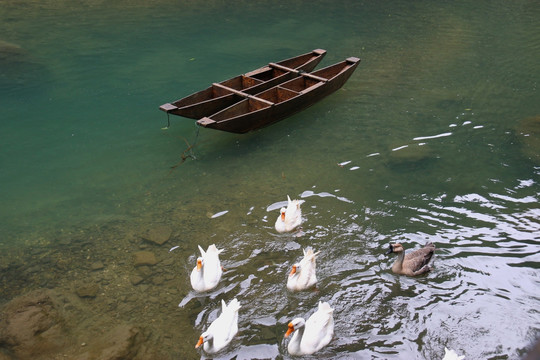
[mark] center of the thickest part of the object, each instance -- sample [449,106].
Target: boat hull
[282,101]
[214,98]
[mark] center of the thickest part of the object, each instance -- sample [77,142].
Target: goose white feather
[222,330]
[291,217]
[452,355]
[312,335]
[207,273]
[303,274]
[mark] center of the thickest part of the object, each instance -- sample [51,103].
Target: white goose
[222,330]
[452,355]
[312,335]
[302,275]
[206,275]
[291,217]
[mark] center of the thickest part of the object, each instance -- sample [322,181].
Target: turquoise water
[437,134]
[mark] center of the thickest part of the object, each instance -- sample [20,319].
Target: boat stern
[168,107]
[205,121]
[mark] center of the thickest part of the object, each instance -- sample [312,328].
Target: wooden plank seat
[243,94]
[311,76]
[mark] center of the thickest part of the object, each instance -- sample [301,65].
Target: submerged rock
[10,51]
[159,234]
[142,258]
[122,342]
[529,134]
[98,265]
[45,324]
[136,279]
[18,68]
[87,290]
[410,153]
[31,326]
[408,157]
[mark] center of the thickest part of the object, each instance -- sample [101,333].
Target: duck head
[394,248]
[295,269]
[283,211]
[205,336]
[295,325]
[199,263]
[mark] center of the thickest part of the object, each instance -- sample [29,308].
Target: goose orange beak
[289,330]
[200,342]
[199,264]
[283,216]
[293,271]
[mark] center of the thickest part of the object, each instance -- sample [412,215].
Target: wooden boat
[218,96]
[280,101]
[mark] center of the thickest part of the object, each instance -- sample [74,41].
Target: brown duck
[413,263]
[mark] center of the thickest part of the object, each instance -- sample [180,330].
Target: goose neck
[399,260]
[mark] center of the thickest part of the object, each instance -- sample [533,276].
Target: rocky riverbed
[97,294]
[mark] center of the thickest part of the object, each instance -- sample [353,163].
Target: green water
[438,130]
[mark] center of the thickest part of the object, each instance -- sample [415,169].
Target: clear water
[438,128]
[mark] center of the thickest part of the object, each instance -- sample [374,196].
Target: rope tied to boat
[191,154]
[168,123]
[188,152]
